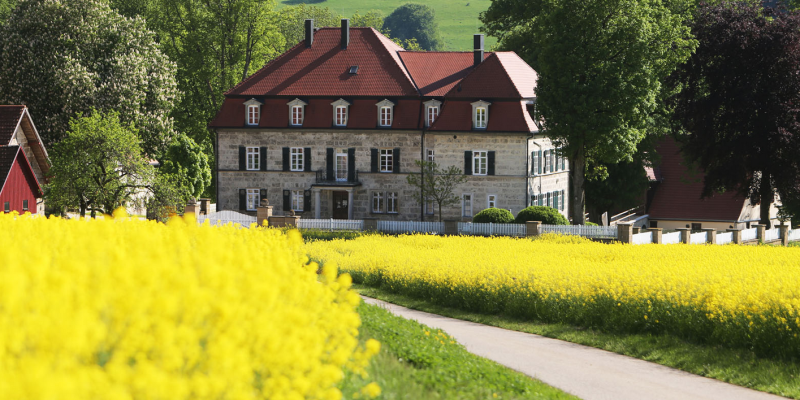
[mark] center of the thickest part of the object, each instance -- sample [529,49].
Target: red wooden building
[23,162]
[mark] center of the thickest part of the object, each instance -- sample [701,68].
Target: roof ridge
[274,60]
[398,61]
[482,65]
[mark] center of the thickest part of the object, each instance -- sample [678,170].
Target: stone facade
[512,184]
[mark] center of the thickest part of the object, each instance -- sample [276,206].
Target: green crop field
[458,19]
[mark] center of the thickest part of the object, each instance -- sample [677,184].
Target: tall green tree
[739,105]
[601,64]
[435,184]
[415,21]
[5,9]
[98,166]
[62,57]
[187,163]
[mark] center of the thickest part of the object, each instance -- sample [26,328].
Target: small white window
[297,115]
[479,162]
[480,117]
[296,159]
[377,202]
[431,155]
[466,205]
[297,200]
[433,112]
[341,116]
[546,161]
[391,202]
[387,160]
[252,199]
[386,116]
[341,165]
[252,115]
[253,161]
[491,201]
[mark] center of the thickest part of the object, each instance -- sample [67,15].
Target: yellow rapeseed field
[746,296]
[126,309]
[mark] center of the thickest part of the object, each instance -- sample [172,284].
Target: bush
[590,223]
[547,215]
[494,215]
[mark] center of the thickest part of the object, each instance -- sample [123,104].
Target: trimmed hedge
[547,215]
[493,215]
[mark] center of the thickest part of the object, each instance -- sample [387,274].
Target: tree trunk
[577,179]
[83,208]
[440,212]
[765,192]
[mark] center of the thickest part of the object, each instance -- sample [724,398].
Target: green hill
[458,19]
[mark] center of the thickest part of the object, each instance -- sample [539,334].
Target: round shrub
[590,223]
[494,215]
[547,215]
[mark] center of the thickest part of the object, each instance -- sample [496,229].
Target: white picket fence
[725,238]
[411,227]
[596,232]
[643,238]
[490,229]
[225,217]
[331,224]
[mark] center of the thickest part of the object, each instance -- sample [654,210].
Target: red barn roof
[436,72]
[678,195]
[9,120]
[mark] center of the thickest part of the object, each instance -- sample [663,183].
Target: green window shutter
[287,200]
[329,160]
[243,199]
[539,163]
[490,160]
[468,162]
[307,159]
[396,160]
[286,158]
[374,158]
[262,159]
[242,158]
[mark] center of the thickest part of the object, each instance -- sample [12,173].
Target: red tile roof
[322,70]
[504,116]
[7,156]
[9,119]
[501,75]
[436,72]
[677,197]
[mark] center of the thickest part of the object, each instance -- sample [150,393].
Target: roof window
[354,70]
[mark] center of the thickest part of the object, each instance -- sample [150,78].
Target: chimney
[345,33]
[478,46]
[309,32]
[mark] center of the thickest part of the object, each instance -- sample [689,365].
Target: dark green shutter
[490,159]
[307,200]
[373,159]
[539,164]
[533,163]
[243,199]
[563,201]
[262,160]
[330,157]
[242,158]
[287,200]
[307,159]
[351,165]
[396,160]
[286,158]
[467,162]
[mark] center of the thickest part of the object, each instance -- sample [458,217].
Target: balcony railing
[322,179]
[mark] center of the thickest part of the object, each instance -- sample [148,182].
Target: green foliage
[494,215]
[67,57]
[415,21]
[5,9]
[291,21]
[601,67]
[544,214]
[436,184]
[188,164]
[98,166]
[589,223]
[623,188]
[310,235]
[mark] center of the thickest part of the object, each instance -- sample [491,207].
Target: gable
[16,172]
[9,121]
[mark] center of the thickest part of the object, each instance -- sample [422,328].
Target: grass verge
[740,367]
[421,363]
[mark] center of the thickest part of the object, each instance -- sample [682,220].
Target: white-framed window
[546,161]
[480,162]
[252,199]
[431,155]
[466,204]
[534,200]
[386,116]
[432,108]
[547,199]
[556,204]
[25,205]
[341,165]
[386,160]
[297,200]
[391,202]
[253,159]
[377,202]
[252,110]
[297,115]
[491,201]
[480,114]
[296,159]
[340,108]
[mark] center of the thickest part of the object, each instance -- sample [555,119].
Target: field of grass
[458,19]
[417,362]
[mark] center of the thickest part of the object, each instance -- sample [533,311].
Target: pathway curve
[586,372]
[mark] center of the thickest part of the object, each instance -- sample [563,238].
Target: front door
[340,205]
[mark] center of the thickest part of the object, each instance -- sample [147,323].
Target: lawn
[421,363]
[458,19]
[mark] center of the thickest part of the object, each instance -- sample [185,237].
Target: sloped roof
[678,194]
[9,120]
[501,75]
[322,69]
[7,156]
[436,72]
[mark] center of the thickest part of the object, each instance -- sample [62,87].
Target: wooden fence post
[737,235]
[533,228]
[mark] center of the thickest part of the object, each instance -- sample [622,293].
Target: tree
[739,104]
[62,57]
[415,21]
[188,166]
[290,21]
[98,166]
[623,187]
[5,9]
[436,184]
[601,64]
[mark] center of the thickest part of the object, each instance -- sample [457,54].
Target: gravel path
[586,372]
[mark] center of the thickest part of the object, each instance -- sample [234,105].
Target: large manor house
[332,128]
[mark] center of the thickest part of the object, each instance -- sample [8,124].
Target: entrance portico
[342,204]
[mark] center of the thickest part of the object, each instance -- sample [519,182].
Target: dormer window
[252,112]
[297,112]
[480,114]
[340,109]
[385,113]
[431,111]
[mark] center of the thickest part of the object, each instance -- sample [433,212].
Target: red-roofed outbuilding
[23,162]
